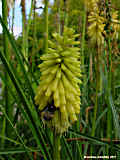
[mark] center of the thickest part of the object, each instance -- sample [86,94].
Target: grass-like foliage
[68,58]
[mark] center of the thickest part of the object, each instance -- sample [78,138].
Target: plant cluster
[103,21]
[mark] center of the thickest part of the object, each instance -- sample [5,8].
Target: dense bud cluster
[102,19]
[115,24]
[96,29]
[60,79]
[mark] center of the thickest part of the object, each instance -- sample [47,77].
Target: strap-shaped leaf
[38,136]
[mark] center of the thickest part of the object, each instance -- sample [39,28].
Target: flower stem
[46,25]
[57,147]
[9,109]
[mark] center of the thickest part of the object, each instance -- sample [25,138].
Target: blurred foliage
[73,11]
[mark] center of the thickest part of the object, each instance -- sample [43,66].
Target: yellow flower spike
[115,24]
[77,111]
[52,69]
[43,103]
[64,120]
[77,108]
[55,84]
[62,94]
[55,69]
[58,74]
[71,66]
[73,117]
[61,88]
[62,100]
[56,98]
[49,56]
[59,81]
[69,74]
[67,95]
[96,27]
[46,79]
[67,84]
[47,71]
[63,109]
[45,87]
[70,108]
[48,91]
[72,97]
[91,5]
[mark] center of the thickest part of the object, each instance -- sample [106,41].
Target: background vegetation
[97,131]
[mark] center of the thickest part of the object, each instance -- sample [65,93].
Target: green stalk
[34,38]
[46,26]
[84,89]
[97,91]
[3,132]
[57,147]
[58,16]
[65,13]
[24,31]
[30,17]
[83,50]
[8,107]
[96,98]
[109,114]
[57,23]
[28,25]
